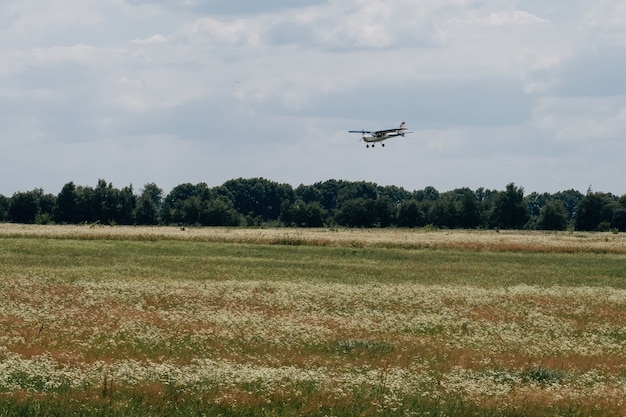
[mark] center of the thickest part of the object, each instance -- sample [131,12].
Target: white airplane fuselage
[380,135]
[379,138]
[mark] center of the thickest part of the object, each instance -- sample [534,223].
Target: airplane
[380,135]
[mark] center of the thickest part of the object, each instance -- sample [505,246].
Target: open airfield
[120,321]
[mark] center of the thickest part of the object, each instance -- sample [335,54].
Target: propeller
[362,132]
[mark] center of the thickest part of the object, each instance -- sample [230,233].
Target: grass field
[123,321]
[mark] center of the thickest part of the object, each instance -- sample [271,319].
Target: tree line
[258,201]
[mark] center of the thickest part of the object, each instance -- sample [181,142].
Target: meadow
[140,321]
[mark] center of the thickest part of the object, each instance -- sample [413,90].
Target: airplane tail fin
[402,126]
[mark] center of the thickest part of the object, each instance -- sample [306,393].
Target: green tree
[190,210]
[469,210]
[486,199]
[24,206]
[385,211]
[101,203]
[303,214]
[411,214]
[427,194]
[308,193]
[358,189]
[570,200]
[396,195]
[595,211]
[174,210]
[199,205]
[619,214]
[509,210]
[4,208]
[258,197]
[219,211]
[66,208]
[328,192]
[111,205]
[86,210]
[357,212]
[148,209]
[314,214]
[535,201]
[442,212]
[552,216]
[126,203]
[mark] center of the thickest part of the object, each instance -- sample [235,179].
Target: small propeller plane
[380,135]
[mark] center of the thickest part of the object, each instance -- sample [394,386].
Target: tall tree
[24,206]
[469,212]
[4,208]
[552,216]
[47,202]
[595,211]
[396,195]
[125,205]
[258,197]
[308,193]
[219,211]
[570,199]
[358,189]
[173,211]
[329,191]
[86,210]
[149,205]
[509,211]
[619,214]
[301,214]
[357,212]
[411,214]
[385,211]
[427,194]
[66,209]
[535,201]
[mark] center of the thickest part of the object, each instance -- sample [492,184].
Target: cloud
[154,39]
[501,18]
[233,88]
[50,23]
[480,102]
[225,7]
[593,120]
[597,72]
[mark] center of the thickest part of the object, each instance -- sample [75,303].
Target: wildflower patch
[197,326]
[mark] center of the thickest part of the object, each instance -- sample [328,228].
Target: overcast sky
[174,91]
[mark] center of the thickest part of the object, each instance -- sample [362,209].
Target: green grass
[67,260]
[288,328]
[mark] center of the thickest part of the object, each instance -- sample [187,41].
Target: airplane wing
[359,131]
[396,130]
[379,132]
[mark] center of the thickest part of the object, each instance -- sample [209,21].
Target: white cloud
[228,33]
[154,39]
[233,88]
[582,119]
[47,23]
[500,18]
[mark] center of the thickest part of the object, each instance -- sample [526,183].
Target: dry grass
[477,240]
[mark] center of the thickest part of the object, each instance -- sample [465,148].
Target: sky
[530,92]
